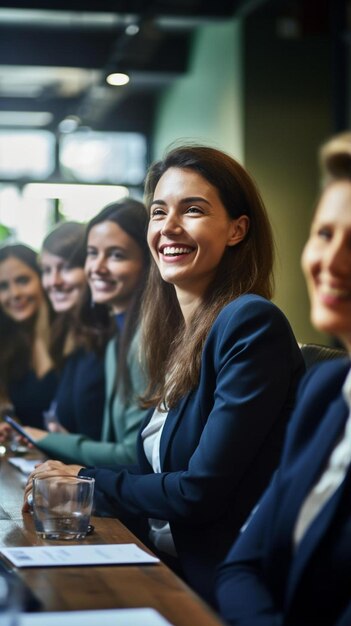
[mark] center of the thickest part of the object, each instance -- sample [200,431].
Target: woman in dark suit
[79,400]
[28,380]
[292,563]
[222,362]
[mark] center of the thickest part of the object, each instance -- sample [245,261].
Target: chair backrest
[314,353]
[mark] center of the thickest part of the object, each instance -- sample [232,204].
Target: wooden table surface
[104,587]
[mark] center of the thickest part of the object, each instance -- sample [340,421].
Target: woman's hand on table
[35,433]
[38,434]
[7,433]
[44,470]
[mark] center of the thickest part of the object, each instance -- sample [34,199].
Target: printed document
[114,617]
[59,556]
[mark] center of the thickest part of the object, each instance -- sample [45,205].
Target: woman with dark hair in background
[27,377]
[117,261]
[79,399]
[222,365]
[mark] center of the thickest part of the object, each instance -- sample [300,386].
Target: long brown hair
[172,351]
[130,215]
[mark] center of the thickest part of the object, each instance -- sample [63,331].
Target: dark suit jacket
[31,396]
[80,395]
[264,580]
[220,445]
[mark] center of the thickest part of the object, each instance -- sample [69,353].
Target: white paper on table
[59,556]
[26,466]
[114,617]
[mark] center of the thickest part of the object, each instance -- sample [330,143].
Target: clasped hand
[45,470]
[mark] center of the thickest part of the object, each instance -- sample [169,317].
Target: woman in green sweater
[116,267]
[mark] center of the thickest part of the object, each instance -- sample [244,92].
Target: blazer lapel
[173,418]
[324,444]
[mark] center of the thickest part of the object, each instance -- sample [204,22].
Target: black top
[31,396]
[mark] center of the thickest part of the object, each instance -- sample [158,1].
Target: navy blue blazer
[264,580]
[220,445]
[80,396]
[31,396]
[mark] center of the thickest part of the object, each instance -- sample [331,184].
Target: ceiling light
[31,81]
[132,29]
[61,19]
[25,118]
[117,79]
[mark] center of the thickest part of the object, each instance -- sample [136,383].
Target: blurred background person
[292,564]
[117,261]
[28,379]
[79,401]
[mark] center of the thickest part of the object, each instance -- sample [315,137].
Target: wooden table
[105,587]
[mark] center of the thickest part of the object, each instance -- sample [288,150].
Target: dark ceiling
[56,60]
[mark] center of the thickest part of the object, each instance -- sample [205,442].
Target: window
[26,154]
[108,157]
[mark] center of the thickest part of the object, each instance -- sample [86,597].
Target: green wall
[207,104]
[287,116]
[265,100]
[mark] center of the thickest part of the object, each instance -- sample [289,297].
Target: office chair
[314,353]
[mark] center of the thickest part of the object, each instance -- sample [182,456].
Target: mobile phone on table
[19,429]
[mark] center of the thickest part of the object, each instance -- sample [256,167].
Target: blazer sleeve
[79,449]
[243,598]
[121,423]
[251,356]
[243,594]
[345,617]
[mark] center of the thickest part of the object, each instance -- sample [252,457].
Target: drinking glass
[62,506]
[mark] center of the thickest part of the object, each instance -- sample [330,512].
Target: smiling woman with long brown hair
[222,362]
[116,266]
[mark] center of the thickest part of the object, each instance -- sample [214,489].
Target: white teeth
[172,250]
[100,283]
[334,291]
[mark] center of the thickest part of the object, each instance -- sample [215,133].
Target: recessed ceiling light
[132,29]
[117,79]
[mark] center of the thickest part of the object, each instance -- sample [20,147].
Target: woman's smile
[189,230]
[113,265]
[326,262]
[175,252]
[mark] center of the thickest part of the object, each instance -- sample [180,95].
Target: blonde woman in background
[292,564]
